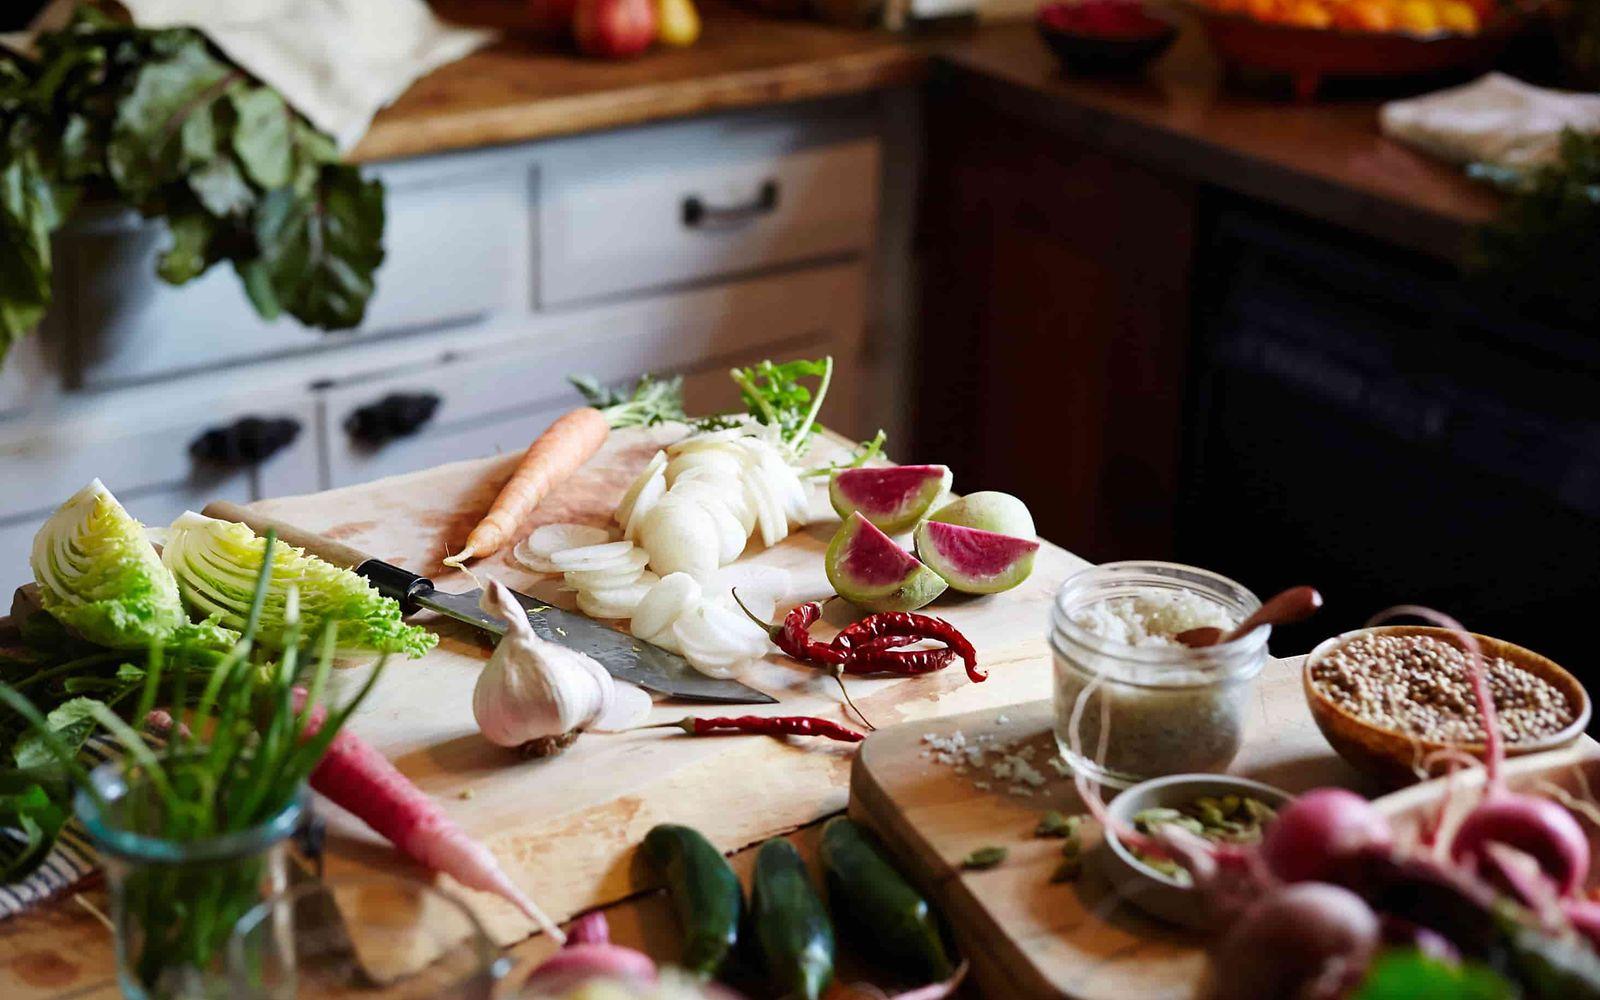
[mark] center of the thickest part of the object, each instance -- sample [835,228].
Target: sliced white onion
[610,555]
[650,494]
[681,537]
[770,518]
[549,539]
[594,607]
[708,439]
[627,596]
[657,462]
[666,602]
[666,640]
[626,570]
[539,564]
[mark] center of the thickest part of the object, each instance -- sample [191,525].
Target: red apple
[614,29]
[551,18]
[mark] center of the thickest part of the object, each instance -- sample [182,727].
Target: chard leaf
[319,254]
[187,258]
[156,138]
[262,136]
[222,189]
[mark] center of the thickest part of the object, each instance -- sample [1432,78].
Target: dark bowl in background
[1104,55]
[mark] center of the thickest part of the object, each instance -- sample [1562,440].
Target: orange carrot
[556,454]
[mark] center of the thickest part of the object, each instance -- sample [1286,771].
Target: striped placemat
[69,862]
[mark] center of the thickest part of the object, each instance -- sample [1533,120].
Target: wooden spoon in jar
[1293,605]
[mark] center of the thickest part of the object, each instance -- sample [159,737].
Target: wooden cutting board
[1028,938]
[566,828]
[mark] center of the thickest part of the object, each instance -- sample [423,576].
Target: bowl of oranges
[1311,40]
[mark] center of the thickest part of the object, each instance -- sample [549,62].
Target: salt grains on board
[991,761]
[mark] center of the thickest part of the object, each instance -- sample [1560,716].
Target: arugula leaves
[775,396]
[161,122]
[772,393]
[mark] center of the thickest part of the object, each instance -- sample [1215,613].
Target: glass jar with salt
[1131,701]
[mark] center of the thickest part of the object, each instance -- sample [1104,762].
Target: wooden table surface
[1327,160]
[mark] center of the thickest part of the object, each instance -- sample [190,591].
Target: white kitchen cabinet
[725,200]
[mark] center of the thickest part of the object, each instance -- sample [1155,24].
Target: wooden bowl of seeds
[1389,699]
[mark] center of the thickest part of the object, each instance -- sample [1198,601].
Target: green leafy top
[776,396]
[161,122]
[1540,251]
[653,401]
[99,575]
[216,564]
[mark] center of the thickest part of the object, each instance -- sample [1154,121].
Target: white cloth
[1496,119]
[338,62]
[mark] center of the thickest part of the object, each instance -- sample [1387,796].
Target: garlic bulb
[533,691]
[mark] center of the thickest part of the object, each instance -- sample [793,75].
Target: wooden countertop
[1326,160]
[525,88]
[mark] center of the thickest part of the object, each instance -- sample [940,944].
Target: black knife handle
[392,581]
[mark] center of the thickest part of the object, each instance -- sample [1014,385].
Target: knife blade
[623,656]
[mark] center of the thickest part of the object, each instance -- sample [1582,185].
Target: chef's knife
[627,658]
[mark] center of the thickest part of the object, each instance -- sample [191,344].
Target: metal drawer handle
[698,215]
[246,442]
[397,415]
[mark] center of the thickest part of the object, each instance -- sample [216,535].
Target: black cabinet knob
[246,442]
[396,415]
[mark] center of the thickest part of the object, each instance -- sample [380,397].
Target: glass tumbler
[174,903]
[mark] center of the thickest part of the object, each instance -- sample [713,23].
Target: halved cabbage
[99,575]
[216,564]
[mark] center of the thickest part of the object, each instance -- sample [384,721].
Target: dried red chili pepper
[883,655]
[906,623]
[765,725]
[794,635]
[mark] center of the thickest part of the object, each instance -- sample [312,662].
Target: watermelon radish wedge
[894,498]
[867,568]
[974,561]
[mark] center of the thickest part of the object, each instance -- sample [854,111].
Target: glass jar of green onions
[175,899]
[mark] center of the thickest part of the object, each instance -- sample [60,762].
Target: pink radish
[1533,825]
[1318,833]
[1584,916]
[590,955]
[1309,939]
[354,775]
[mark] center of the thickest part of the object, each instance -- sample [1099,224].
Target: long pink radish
[357,777]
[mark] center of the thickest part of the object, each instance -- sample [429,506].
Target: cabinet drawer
[145,459]
[453,238]
[703,204]
[497,398]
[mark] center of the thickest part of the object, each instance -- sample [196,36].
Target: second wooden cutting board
[566,828]
[1028,938]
